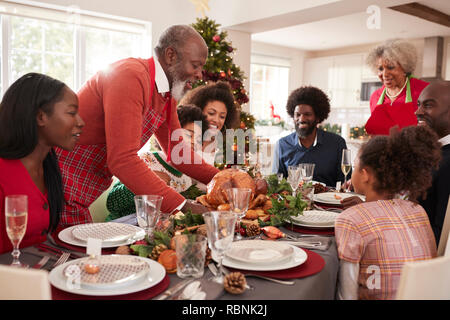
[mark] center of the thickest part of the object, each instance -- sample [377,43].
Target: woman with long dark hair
[37,113]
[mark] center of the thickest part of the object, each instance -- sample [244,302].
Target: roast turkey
[229,178]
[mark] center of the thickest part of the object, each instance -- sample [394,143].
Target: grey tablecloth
[321,286]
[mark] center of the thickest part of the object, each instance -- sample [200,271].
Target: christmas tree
[220,67]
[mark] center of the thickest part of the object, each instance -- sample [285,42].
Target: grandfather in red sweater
[123,106]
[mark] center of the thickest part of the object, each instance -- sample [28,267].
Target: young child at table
[120,201]
[375,238]
[37,113]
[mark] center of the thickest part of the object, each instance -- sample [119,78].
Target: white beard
[178,89]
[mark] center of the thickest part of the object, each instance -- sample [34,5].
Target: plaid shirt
[381,236]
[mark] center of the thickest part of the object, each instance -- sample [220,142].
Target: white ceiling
[343,23]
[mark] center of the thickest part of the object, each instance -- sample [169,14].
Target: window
[48,40]
[269,85]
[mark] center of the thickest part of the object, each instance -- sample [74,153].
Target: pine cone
[253,230]
[208,256]
[157,251]
[234,283]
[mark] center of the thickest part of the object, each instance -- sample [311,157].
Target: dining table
[318,286]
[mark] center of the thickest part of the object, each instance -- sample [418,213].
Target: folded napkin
[313,264]
[311,243]
[305,230]
[201,289]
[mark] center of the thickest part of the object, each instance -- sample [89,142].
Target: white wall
[418,43]
[446,62]
[296,57]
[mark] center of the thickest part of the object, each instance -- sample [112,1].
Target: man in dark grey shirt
[309,106]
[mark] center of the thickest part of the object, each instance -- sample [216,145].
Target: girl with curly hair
[375,238]
[218,105]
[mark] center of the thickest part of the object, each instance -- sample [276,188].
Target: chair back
[24,284]
[425,280]
[443,248]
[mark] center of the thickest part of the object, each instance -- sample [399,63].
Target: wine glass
[346,163]
[220,231]
[16,214]
[293,178]
[239,199]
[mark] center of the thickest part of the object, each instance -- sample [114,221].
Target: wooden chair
[425,280]
[24,284]
[444,247]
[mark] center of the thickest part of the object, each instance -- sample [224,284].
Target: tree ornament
[222,74]
[216,38]
[230,49]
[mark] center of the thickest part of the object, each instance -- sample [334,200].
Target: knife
[171,291]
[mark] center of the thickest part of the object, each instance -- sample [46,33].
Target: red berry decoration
[242,231]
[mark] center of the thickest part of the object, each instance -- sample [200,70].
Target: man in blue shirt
[309,106]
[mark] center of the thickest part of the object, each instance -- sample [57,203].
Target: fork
[289,283]
[62,259]
[41,262]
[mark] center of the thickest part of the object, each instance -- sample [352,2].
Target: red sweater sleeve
[124,107]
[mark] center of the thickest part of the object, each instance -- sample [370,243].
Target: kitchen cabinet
[316,73]
[339,76]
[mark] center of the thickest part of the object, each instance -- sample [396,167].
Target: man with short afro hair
[309,106]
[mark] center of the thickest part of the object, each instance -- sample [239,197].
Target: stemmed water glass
[220,230]
[16,214]
[306,175]
[239,199]
[279,177]
[148,212]
[346,163]
[294,178]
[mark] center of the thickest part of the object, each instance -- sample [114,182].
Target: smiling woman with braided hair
[374,239]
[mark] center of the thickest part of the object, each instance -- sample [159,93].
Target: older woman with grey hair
[395,102]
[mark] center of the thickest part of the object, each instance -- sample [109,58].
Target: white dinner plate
[334,197]
[105,231]
[154,276]
[316,218]
[67,237]
[114,271]
[296,259]
[259,251]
